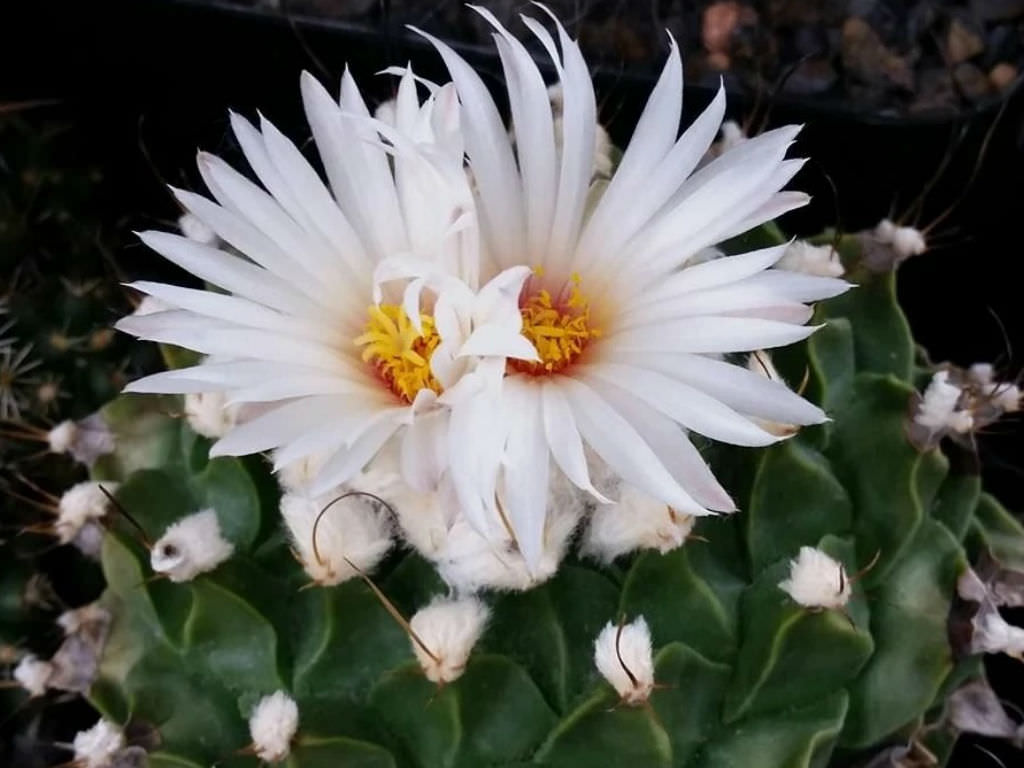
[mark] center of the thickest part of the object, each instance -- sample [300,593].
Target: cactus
[743,674]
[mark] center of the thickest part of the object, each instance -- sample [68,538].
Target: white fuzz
[298,476]
[981,373]
[191,546]
[209,415]
[32,674]
[85,440]
[62,436]
[272,726]
[905,241]
[1004,396]
[353,530]
[423,520]
[87,617]
[97,746]
[89,540]
[993,634]
[449,629]
[193,228]
[938,408]
[150,305]
[81,504]
[635,521]
[468,562]
[816,580]
[802,256]
[624,659]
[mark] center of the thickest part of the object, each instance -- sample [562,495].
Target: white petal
[563,437]
[615,440]
[683,404]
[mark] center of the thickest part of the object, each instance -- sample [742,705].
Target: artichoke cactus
[743,674]
[838,618]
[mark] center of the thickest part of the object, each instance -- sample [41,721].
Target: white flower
[79,505]
[85,440]
[209,414]
[322,317]
[272,726]
[449,629]
[636,521]
[937,410]
[802,256]
[629,336]
[350,530]
[816,580]
[623,657]
[97,746]
[194,228]
[32,674]
[189,547]
[905,241]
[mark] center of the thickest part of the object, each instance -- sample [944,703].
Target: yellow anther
[400,353]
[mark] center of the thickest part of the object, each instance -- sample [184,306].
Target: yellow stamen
[398,352]
[559,331]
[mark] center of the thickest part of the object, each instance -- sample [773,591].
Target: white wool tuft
[32,674]
[1004,396]
[816,580]
[355,528]
[150,305]
[89,540]
[97,746]
[194,229]
[299,475]
[191,546]
[77,619]
[450,629]
[423,519]
[993,634]
[820,260]
[85,440]
[79,505]
[209,415]
[468,562]
[272,726]
[981,373]
[938,408]
[616,652]
[62,436]
[636,521]
[906,241]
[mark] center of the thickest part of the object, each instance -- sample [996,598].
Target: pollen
[398,352]
[560,329]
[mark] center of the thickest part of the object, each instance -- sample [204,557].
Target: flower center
[398,352]
[560,328]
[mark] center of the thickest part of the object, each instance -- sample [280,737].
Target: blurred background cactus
[743,674]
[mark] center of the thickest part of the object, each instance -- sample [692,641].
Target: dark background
[143,84]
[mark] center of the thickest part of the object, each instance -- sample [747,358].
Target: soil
[881,57]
